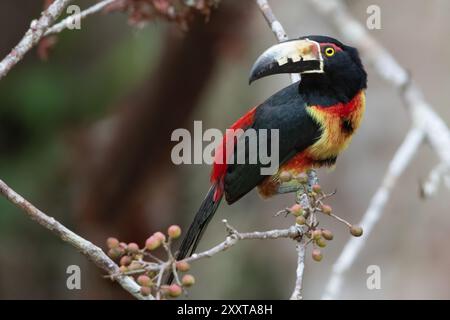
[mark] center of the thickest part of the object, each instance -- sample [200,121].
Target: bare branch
[276,27]
[437,174]
[301,250]
[33,35]
[64,24]
[46,26]
[234,237]
[426,124]
[92,252]
[138,266]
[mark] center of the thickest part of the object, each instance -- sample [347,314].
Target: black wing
[286,111]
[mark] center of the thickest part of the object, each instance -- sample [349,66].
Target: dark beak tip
[253,77]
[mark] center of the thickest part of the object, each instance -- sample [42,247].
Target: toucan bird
[316,119]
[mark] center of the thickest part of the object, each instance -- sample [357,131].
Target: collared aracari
[316,119]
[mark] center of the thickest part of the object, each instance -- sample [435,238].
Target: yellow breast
[338,123]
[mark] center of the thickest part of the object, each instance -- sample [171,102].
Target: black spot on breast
[347,126]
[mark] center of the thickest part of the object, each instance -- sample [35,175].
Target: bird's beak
[294,56]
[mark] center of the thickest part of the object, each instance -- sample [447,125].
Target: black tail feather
[204,214]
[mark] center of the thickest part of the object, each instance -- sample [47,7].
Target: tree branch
[234,237]
[33,35]
[276,27]
[92,252]
[301,250]
[46,26]
[440,173]
[425,124]
[64,24]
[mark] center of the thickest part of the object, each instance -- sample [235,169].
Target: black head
[323,62]
[342,66]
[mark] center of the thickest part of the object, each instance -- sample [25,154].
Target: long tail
[204,214]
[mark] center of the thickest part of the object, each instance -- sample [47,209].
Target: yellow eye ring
[329,52]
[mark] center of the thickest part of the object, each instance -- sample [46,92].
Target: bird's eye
[329,52]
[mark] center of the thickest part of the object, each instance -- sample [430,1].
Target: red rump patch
[225,149]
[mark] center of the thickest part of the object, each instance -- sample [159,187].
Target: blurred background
[85,136]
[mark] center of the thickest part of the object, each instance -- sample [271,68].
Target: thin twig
[302,242]
[234,237]
[159,282]
[33,35]
[438,174]
[64,24]
[276,27]
[301,250]
[91,251]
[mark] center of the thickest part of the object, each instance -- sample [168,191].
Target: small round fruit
[356,231]
[112,243]
[125,261]
[300,220]
[327,234]
[123,245]
[188,280]
[316,234]
[159,235]
[321,242]
[123,269]
[146,291]
[302,178]
[326,209]
[133,247]
[175,290]
[114,253]
[317,255]
[144,280]
[182,266]
[152,243]
[296,210]
[285,176]
[174,232]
